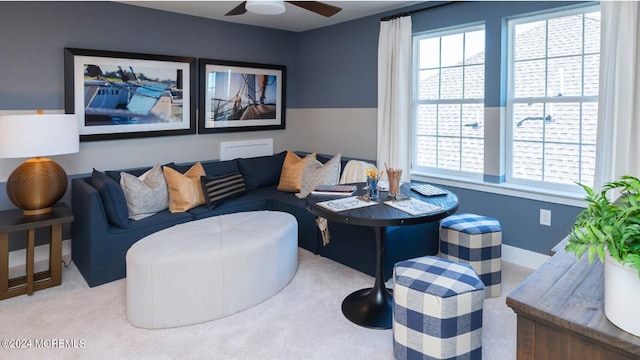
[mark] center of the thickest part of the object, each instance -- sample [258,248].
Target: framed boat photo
[239,96]
[120,95]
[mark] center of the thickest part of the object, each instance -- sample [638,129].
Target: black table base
[372,307]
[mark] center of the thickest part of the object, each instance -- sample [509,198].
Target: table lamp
[37,184]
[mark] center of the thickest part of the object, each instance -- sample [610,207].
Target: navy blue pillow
[262,171]
[218,189]
[115,204]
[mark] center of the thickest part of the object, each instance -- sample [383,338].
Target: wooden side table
[14,221]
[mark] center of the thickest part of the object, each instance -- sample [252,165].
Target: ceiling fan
[277,7]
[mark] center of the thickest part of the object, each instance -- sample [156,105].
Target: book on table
[334,189]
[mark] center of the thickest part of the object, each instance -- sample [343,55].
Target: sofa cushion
[262,171]
[218,189]
[291,174]
[315,173]
[113,200]
[146,194]
[185,191]
[216,168]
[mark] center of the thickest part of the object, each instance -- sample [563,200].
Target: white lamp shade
[265,7]
[26,136]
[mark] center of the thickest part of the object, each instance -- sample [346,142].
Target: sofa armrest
[89,227]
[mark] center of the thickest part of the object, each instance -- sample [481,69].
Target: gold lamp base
[36,185]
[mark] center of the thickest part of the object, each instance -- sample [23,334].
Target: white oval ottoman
[210,268]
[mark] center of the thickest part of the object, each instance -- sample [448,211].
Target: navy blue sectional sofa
[99,247]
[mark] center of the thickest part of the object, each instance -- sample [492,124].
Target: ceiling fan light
[265,7]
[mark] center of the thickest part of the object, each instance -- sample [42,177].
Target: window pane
[529,77]
[429,85]
[588,162]
[589,123]
[426,151]
[449,120]
[565,36]
[452,50]
[474,47]
[591,75]
[449,153]
[561,163]
[565,76]
[474,82]
[427,120]
[473,120]
[429,53]
[528,121]
[473,155]
[527,160]
[565,123]
[530,40]
[451,87]
[592,33]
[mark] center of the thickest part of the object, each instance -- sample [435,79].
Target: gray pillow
[147,194]
[314,174]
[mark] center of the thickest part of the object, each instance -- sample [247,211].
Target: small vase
[372,188]
[621,294]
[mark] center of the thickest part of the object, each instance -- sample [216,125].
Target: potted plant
[611,230]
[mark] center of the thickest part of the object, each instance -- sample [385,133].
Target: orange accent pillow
[185,190]
[291,175]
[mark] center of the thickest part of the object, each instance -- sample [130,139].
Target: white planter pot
[621,294]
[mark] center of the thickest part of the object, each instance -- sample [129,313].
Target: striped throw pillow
[221,188]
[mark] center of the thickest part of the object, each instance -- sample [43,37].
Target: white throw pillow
[314,174]
[147,194]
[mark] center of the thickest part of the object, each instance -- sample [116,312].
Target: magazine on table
[334,190]
[413,206]
[348,203]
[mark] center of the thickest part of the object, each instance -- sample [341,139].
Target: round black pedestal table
[373,307]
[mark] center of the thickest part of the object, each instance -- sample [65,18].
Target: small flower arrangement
[373,174]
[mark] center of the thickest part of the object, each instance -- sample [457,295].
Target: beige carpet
[303,321]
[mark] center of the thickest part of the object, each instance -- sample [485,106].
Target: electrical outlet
[545,217]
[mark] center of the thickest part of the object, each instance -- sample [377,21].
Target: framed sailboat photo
[238,96]
[119,95]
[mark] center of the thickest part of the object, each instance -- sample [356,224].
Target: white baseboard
[18,259]
[526,258]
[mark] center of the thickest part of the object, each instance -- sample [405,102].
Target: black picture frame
[241,96]
[122,95]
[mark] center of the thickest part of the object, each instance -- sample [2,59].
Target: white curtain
[619,98]
[394,95]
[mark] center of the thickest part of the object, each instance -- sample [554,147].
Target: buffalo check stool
[437,310]
[475,240]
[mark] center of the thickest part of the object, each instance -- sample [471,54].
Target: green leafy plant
[610,226]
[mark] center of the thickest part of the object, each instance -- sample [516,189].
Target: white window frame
[511,23]
[448,173]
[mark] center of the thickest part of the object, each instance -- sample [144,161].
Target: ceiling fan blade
[317,7]
[238,10]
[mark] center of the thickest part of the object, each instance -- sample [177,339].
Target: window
[552,101]
[448,101]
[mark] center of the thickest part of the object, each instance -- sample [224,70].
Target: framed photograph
[119,95]
[237,96]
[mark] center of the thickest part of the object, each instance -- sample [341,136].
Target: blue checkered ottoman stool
[437,310]
[475,240]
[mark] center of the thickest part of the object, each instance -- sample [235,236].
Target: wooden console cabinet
[560,310]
